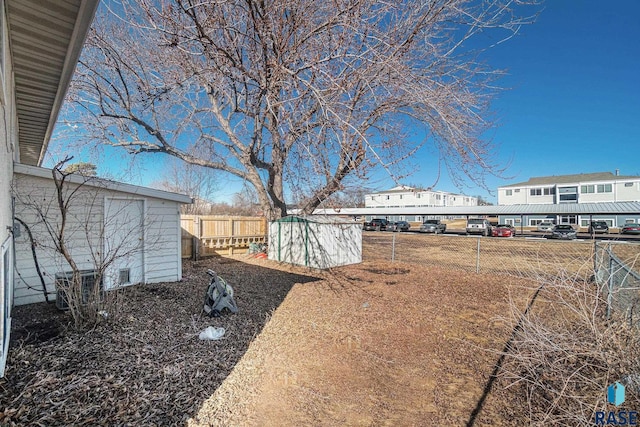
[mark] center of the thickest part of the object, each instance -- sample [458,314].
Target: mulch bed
[145,364]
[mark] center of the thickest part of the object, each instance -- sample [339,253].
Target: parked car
[503,230]
[399,226]
[376,224]
[479,226]
[545,227]
[598,227]
[563,231]
[630,228]
[433,226]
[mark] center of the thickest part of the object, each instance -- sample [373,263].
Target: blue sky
[573,104]
[574,99]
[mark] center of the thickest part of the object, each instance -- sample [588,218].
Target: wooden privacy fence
[204,235]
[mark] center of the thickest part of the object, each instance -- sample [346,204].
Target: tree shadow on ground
[144,365]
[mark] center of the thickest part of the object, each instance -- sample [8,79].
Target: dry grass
[378,343]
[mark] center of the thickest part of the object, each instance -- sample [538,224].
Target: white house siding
[161,248]
[8,150]
[627,191]
[163,261]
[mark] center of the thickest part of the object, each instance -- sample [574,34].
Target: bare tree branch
[295,97]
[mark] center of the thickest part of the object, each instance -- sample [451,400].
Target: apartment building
[599,187]
[409,197]
[581,188]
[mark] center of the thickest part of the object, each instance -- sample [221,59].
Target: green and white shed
[315,241]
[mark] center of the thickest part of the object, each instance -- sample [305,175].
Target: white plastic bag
[211,333]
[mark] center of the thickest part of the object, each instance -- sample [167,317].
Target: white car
[545,227]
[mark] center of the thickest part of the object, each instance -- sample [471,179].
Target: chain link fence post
[393,248]
[478,257]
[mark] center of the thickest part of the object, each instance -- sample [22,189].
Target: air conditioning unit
[88,278]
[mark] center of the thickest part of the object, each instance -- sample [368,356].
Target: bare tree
[245,202]
[295,97]
[196,181]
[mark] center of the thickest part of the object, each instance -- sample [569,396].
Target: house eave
[46,39]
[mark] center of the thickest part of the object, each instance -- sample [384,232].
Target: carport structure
[519,215]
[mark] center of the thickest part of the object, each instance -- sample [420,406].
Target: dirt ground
[369,344]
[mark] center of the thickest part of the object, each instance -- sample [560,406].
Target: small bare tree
[66,225]
[196,181]
[295,96]
[564,353]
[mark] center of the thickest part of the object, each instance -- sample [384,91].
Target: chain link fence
[520,257]
[617,271]
[614,265]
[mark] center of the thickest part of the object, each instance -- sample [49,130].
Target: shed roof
[571,179]
[105,183]
[319,219]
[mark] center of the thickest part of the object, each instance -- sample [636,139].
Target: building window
[535,192]
[568,219]
[628,184]
[568,197]
[509,192]
[585,189]
[386,197]
[517,190]
[584,222]
[605,188]
[401,197]
[418,196]
[549,191]
[568,194]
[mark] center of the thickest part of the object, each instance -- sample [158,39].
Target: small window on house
[517,190]
[628,184]
[509,192]
[535,192]
[123,276]
[549,191]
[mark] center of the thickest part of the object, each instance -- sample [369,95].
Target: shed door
[124,242]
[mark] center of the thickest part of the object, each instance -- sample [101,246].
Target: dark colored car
[503,230]
[564,232]
[598,227]
[433,226]
[399,226]
[630,228]
[377,224]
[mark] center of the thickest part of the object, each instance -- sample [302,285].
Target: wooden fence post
[197,234]
[231,236]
